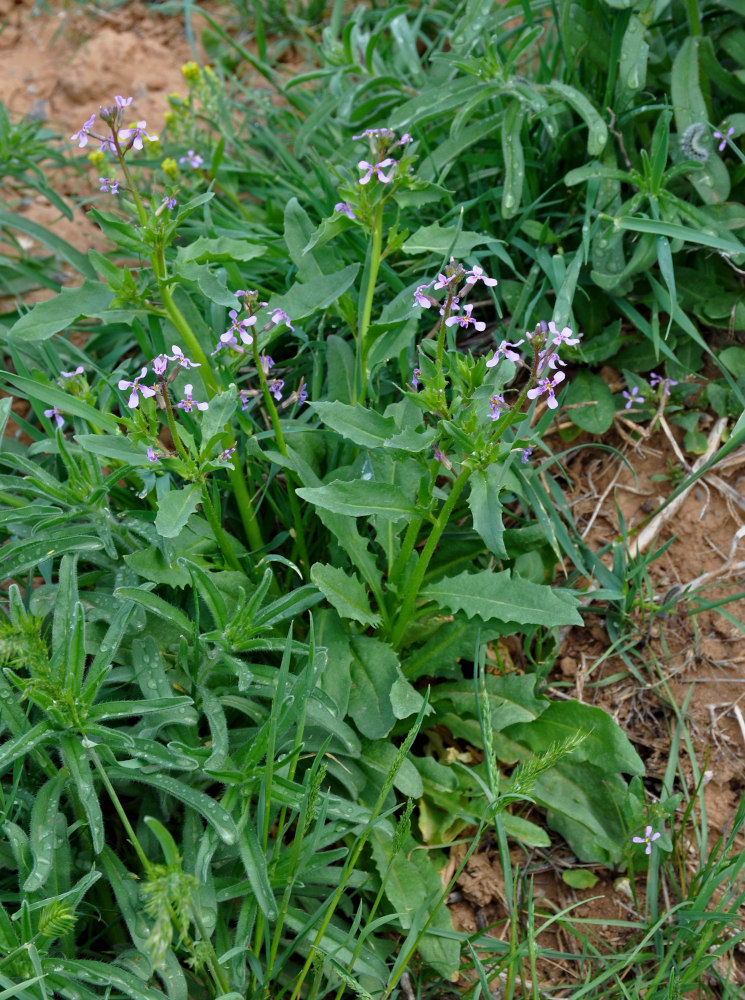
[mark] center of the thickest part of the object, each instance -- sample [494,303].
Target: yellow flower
[191,72]
[96,158]
[170,168]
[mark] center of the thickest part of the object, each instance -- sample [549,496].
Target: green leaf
[76,759]
[345,593]
[307,297]
[579,878]
[442,240]
[597,135]
[375,669]
[175,509]
[200,802]
[44,235]
[42,834]
[156,605]
[221,248]
[596,416]
[52,395]
[378,757]
[356,423]
[502,597]
[151,564]
[733,359]
[222,407]
[116,447]
[486,508]
[43,320]
[19,557]
[254,862]
[360,499]
[514,159]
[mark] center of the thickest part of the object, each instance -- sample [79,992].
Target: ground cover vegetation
[281,493]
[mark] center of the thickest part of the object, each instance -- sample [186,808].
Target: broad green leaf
[175,509]
[500,596]
[308,297]
[222,407]
[512,699]
[221,248]
[152,565]
[345,593]
[375,669]
[733,359]
[486,508]
[42,833]
[579,878]
[440,240]
[525,831]
[379,757]
[593,408]
[116,447]
[364,427]
[362,498]
[43,320]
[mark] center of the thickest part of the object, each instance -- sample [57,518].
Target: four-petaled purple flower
[635,396]
[345,208]
[82,134]
[477,274]
[74,374]
[724,137]
[378,169]
[420,299]
[648,839]
[134,136]
[178,355]
[547,385]
[169,202]
[275,387]
[54,414]
[278,316]
[565,336]
[503,351]
[160,364]
[465,319]
[152,455]
[136,388]
[123,102]
[666,383]
[376,133]
[496,403]
[187,403]
[109,185]
[193,159]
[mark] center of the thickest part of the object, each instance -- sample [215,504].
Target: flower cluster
[120,141]
[160,366]
[547,339]
[240,329]
[658,386]
[382,142]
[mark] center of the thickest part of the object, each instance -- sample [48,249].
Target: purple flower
[178,355]
[123,102]
[477,274]
[109,185]
[525,456]
[302,395]
[376,133]
[275,387]
[226,455]
[466,320]
[169,202]
[245,397]
[503,351]
[107,145]
[160,364]
[266,363]
[717,135]
[345,208]
[441,457]
[152,455]
[378,169]
[547,385]
[648,839]
[496,403]
[78,371]
[193,159]
[635,396]
[420,299]
[278,315]
[134,136]
[187,403]
[442,281]
[54,414]
[82,134]
[415,378]
[565,336]
[666,383]
[136,388]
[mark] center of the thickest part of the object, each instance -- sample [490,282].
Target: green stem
[412,591]
[282,445]
[363,348]
[217,529]
[120,810]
